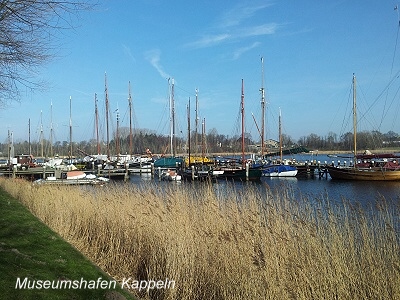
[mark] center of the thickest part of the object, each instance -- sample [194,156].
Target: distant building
[268,145]
[271,143]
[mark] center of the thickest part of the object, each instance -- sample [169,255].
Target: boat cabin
[23,161]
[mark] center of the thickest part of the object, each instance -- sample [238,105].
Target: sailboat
[196,168]
[282,169]
[194,158]
[108,165]
[379,167]
[167,167]
[270,169]
[171,162]
[244,171]
[137,163]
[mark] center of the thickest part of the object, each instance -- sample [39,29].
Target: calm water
[360,191]
[355,191]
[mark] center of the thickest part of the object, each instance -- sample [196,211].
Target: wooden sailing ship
[379,167]
[244,171]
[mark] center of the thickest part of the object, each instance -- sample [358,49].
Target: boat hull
[279,171]
[168,162]
[240,174]
[81,181]
[190,174]
[372,174]
[170,175]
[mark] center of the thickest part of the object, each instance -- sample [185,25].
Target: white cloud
[231,31]
[242,50]
[241,12]
[127,51]
[153,56]
[209,40]
[264,29]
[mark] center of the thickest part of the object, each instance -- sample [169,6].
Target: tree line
[210,143]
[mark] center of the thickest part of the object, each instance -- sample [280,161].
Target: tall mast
[280,135]
[171,146]
[96,112]
[242,111]
[41,135]
[70,126]
[262,107]
[173,117]
[9,148]
[117,135]
[188,113]
[51,129]
[203,139]
[12,145]
[172,107]
[354,116]
[108,132]
[130,121]
[196,121]
[29,136]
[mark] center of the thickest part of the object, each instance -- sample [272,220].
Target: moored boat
[168,162]
[279,170]
[283,169]
[382,167]
[243,171]
[238,173]
[72,178]
[170,175]
[197,172]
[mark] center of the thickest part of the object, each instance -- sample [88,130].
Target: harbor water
[363,192]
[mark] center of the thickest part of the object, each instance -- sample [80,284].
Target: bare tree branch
[28,35]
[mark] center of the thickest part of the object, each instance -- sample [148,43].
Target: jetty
[42,173]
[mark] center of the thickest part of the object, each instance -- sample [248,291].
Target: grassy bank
[244,245]
[29,249]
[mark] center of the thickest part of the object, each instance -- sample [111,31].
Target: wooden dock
[30,173]
[42,173]
[311,170]
[307,169]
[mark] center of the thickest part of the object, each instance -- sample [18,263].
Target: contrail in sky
[153,56]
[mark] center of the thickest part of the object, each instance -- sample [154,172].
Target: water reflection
[363,192]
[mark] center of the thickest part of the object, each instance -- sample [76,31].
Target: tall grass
[246,244]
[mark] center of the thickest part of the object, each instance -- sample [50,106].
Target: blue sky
[310,50]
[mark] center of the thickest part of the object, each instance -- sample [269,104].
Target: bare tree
[28,31]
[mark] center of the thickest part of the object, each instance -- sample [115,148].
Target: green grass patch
[29,249]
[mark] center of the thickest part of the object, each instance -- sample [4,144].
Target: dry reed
[244,244]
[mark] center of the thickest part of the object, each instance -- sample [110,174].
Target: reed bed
[245,243]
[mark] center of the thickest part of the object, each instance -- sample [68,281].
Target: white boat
[170,175]
[270,169]
[72,178]
[279,170]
